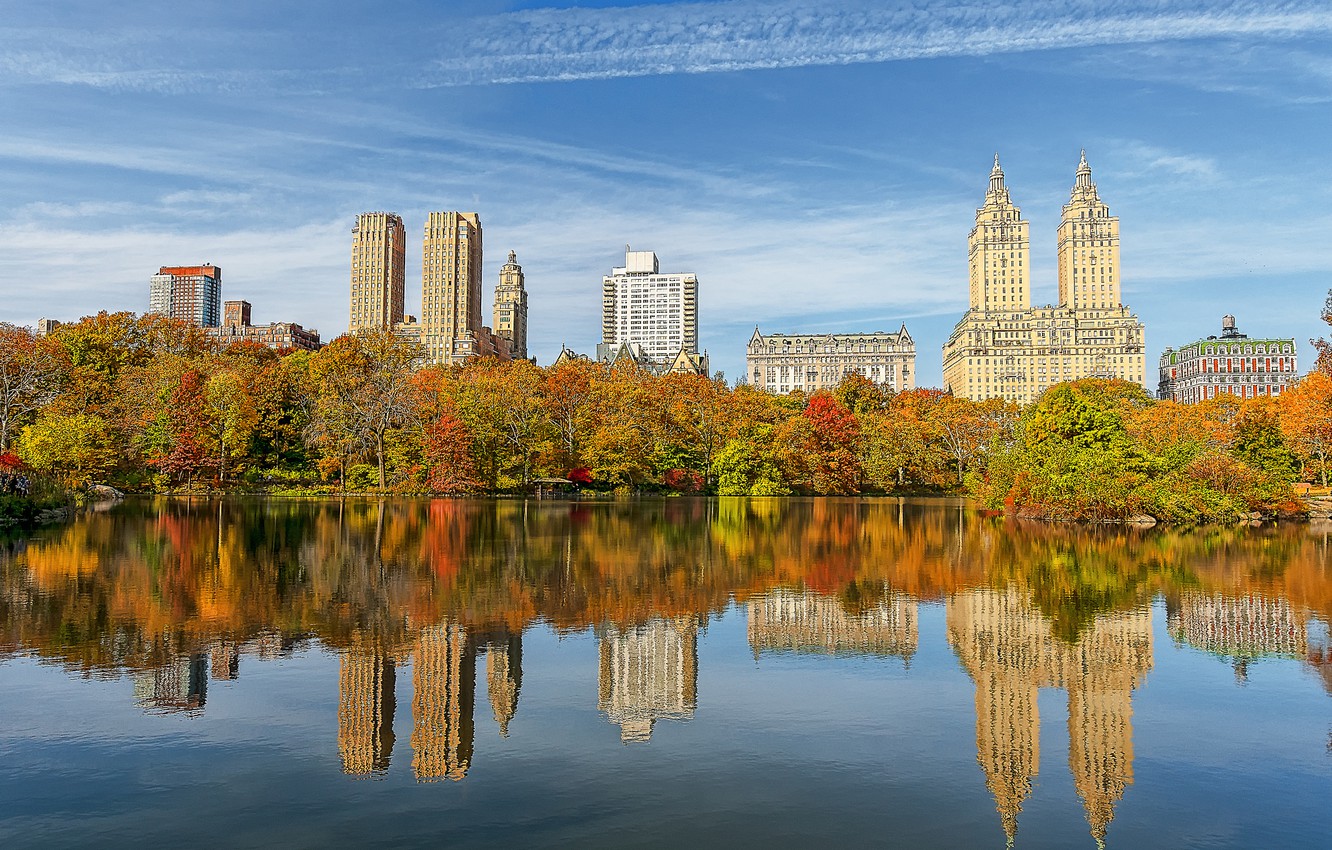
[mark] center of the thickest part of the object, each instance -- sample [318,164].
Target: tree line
[150,404]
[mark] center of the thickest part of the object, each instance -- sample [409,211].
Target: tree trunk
[379,450]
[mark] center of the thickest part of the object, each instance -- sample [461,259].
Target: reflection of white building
[1241,628]
[181,685]
[648,673]
[808,622]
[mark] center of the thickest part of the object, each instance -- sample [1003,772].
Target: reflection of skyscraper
[181,685]
[648,672]
[1320,655]
[366,704]
[504,676]
[1007,647]
[810,622]
[224,660]
[443,698]
[1241,628]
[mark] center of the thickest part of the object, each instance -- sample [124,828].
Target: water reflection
[648,672]
[1010,651]
[796,621]
[175,593]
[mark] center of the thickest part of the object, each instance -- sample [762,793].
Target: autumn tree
[832,445]
[1306,421]
[568,401]
[447,450]
[362,392]
[74,448]
[230,415]
[696,417]
[29,375]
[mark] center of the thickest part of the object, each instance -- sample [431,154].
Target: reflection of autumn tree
[114,589]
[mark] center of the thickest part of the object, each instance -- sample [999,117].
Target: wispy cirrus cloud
[579,44]
[567,44]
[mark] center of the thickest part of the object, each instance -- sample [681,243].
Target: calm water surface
[706,673]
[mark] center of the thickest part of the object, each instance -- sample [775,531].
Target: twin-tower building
[1003,347]
[449,327]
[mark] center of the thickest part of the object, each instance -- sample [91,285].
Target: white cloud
[581,44]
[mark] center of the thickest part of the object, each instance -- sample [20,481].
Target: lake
[659,673]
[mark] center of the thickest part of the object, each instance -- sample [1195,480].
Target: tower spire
[1083,181]
[997,178]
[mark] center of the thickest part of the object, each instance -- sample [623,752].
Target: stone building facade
[510,308]
[236,327]
[1230,363]
[781,363]
[1003,347]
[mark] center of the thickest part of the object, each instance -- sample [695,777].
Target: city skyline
[731,130]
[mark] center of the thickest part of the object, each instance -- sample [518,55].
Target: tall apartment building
[1003,347]
[378,259]
[451,328]
[646,309]
[1230,363]
[780,363]
[190,293]
[236,327]
[510,308]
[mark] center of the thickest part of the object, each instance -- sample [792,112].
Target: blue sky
[817,164]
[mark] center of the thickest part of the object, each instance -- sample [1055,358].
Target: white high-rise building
[655,312]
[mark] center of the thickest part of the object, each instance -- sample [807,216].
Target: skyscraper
[451,327]
[1088,248]
[1005,348]
[644,308]
[999,251]
[511,308]
[190,293]
[379,244]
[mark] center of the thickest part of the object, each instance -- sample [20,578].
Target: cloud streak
[580,44]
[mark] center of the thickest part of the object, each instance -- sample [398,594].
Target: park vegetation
[148,404]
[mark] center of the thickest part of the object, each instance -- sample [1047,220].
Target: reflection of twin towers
[443,699]
[1007,647]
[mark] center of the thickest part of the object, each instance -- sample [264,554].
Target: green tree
[75,448]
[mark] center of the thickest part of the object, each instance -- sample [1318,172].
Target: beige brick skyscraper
[1003,347]
[379,245]
[1088,248]
[511,307]
[451,286]
[1000,251]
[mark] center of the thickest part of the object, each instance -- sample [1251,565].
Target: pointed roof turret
[998,192]
[1084,180]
